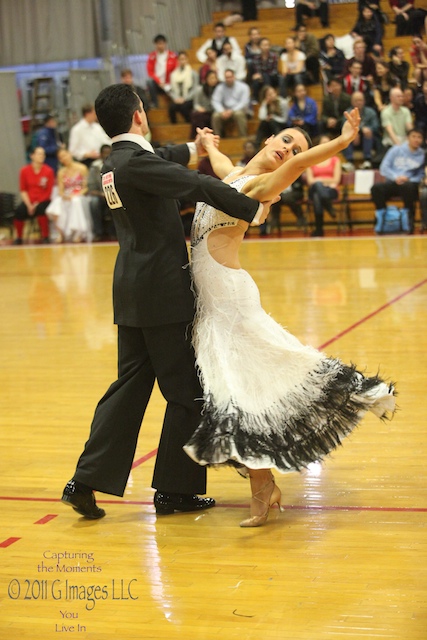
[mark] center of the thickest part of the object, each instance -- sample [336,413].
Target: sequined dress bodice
[207,218]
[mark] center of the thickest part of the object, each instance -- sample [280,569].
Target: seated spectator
[126,77]
[368,131]
[374,5]
[312,8]
[67,210]
[323,181]
[272,113]
[398,67]
[369,28]
[303,111]
[252,47]
[36,182]
[249,151]
[201,115]
[209,65]
[423,201]
[102,222]
[383,83]
[87,137]
[418,21]
[184,82]
[420,110]
[291,197]
[396,120]
[418,53]
[354,81]
[229,59]
[230,101]
[403,168]
[331,59]
[160,64]
[335,102]
[49,139]
[291,67]
[309,45]
[409,99]
[402,10]
[366,60]
[263,70]
[217,43]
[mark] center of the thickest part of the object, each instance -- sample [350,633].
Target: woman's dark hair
[115,106]
[207,89]
[305,134]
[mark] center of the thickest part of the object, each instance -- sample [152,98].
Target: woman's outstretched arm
[268,185]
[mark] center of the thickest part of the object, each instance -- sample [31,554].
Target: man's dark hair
[415,130]
[115,106]
[87,108]
[159,38]
[219,24]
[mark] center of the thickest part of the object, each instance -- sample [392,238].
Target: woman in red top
[36,182]
[323,180]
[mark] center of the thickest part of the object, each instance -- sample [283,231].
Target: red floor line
[147,456]
[47,518]
[8,542]
[290,507]
[371,315]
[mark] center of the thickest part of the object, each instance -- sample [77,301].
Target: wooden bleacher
[277,25]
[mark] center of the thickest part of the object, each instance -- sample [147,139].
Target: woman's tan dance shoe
[275,497]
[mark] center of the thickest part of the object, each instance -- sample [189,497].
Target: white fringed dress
[269,401]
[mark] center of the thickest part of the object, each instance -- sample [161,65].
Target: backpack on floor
[392,220]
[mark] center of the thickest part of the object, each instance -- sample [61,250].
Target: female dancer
[269,400]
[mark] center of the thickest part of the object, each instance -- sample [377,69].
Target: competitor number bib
[109,189]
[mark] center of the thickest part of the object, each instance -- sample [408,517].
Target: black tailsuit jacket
[151,279]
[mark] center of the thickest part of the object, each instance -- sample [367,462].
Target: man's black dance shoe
[167,503]
[81,498]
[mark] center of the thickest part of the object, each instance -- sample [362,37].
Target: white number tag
[109,188]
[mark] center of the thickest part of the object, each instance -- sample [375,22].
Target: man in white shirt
[229,59]
[230,101]
[217,43]
[87,137]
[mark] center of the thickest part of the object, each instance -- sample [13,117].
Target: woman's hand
[205,140]
[351,126]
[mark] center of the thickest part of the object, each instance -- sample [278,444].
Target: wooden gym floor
[348,558]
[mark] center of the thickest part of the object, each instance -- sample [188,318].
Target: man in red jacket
[36,182]
[160,64]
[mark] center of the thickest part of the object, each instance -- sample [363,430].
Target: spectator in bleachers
[409,98]
[102,223]
[367,136]
[354,81]
[230,101]
[335,102]
[209,65]
[423,200]
[202,107]
[217,43]
[263,69]
[396,120]
[36,182]
[382,84]
[375,6]
[418,21]
[291,197]
[360,55]
[303,111]
[291,67]
[403,168]
[160,64]
[126,76]
[418,54]
[67,210]
[184,82]
[229,59]
[49,139]
[332,60]
[252,47]
[249,151]
[323,182]
[398,67]
[402,10]
[309,45]
[87,137]
[420,110]
[312,8]
[272,113]
[369,28]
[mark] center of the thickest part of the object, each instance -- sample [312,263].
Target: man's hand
[401,179]
[262,217]
[204,140]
